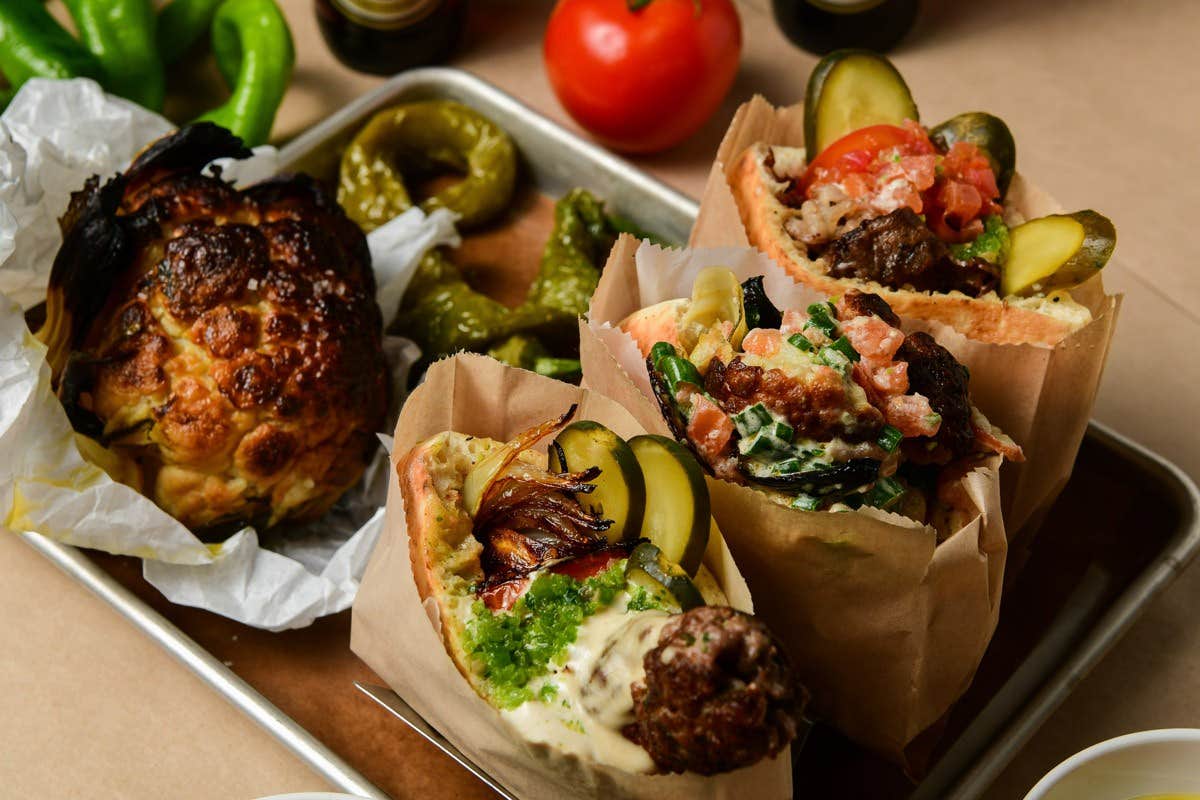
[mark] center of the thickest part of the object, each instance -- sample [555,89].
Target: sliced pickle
[716,298]
[677,505]
[620,493]
[852,89]
[665,581]
[1056,252]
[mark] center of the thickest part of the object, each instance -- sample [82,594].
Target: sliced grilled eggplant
[821,479]
[760,311]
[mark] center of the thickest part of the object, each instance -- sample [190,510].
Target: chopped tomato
[874,339]
[710,429]
[892,379]
[793,322]
[583,567]
[965,193]
[858,150]
[912,414]
[763,342]
[501,596]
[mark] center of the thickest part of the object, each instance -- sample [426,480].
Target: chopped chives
[890,438]
[801,341]
[842,345]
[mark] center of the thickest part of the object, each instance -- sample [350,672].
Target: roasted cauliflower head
[224,344]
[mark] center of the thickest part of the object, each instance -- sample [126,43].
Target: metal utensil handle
[395,704]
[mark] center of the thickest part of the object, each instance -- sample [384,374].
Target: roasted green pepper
[420,138]
[120,34]
[443,314]
[578,246]
[253,50]
[34,45]
[182,23]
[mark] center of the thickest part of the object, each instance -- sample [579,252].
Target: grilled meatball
[718,694]
[899,250]
[934,372]
[232,347]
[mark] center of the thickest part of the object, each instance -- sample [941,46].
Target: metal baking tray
[1051,632]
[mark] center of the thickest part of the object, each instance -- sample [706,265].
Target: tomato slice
[854,152]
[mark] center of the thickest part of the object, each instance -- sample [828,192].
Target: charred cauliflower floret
[227,342]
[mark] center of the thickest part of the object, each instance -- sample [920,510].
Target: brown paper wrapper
[1040,396]
[885,625]
[398,637]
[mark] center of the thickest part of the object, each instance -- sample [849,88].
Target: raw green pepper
[253,50]
[181,23]
[34,45]
[420,138]
[120,34]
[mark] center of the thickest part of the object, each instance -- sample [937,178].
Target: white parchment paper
[54,136]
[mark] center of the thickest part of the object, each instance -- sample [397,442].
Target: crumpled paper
[53,136]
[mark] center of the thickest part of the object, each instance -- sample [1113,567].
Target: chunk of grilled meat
[935,373]
[817,407]
[899,250]
[226,341]
[718,695]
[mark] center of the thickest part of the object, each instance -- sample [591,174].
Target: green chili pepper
[120,34]
[443,314]
[253,49]
[181,23]
[34,45]
[425,137]
[519,350]
[571,262]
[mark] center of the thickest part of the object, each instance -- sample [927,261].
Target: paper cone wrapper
[1041,396]
[399,638]
[885,625]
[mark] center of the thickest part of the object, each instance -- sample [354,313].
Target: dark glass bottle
[387,36]
[820,26]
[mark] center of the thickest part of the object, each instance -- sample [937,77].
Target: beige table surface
[1104,100]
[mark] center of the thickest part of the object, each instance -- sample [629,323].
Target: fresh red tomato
[857,150]
[642,75]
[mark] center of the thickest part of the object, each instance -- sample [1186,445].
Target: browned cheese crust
[239,358]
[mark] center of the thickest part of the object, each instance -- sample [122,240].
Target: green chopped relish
[992,245]
[514,647]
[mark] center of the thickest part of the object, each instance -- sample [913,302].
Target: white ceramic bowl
[1139,764]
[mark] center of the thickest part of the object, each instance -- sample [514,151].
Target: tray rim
[1102,635]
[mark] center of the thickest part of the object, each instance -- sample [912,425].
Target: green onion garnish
[659,350]
[884,494]
[821,316]
[890,438]
[842,345]
[806,502]
[801,341]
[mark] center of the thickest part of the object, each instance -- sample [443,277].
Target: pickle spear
[1056,252]
[677,512]
[851,89]
[620,493]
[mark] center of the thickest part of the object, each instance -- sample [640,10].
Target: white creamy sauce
[592,699]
